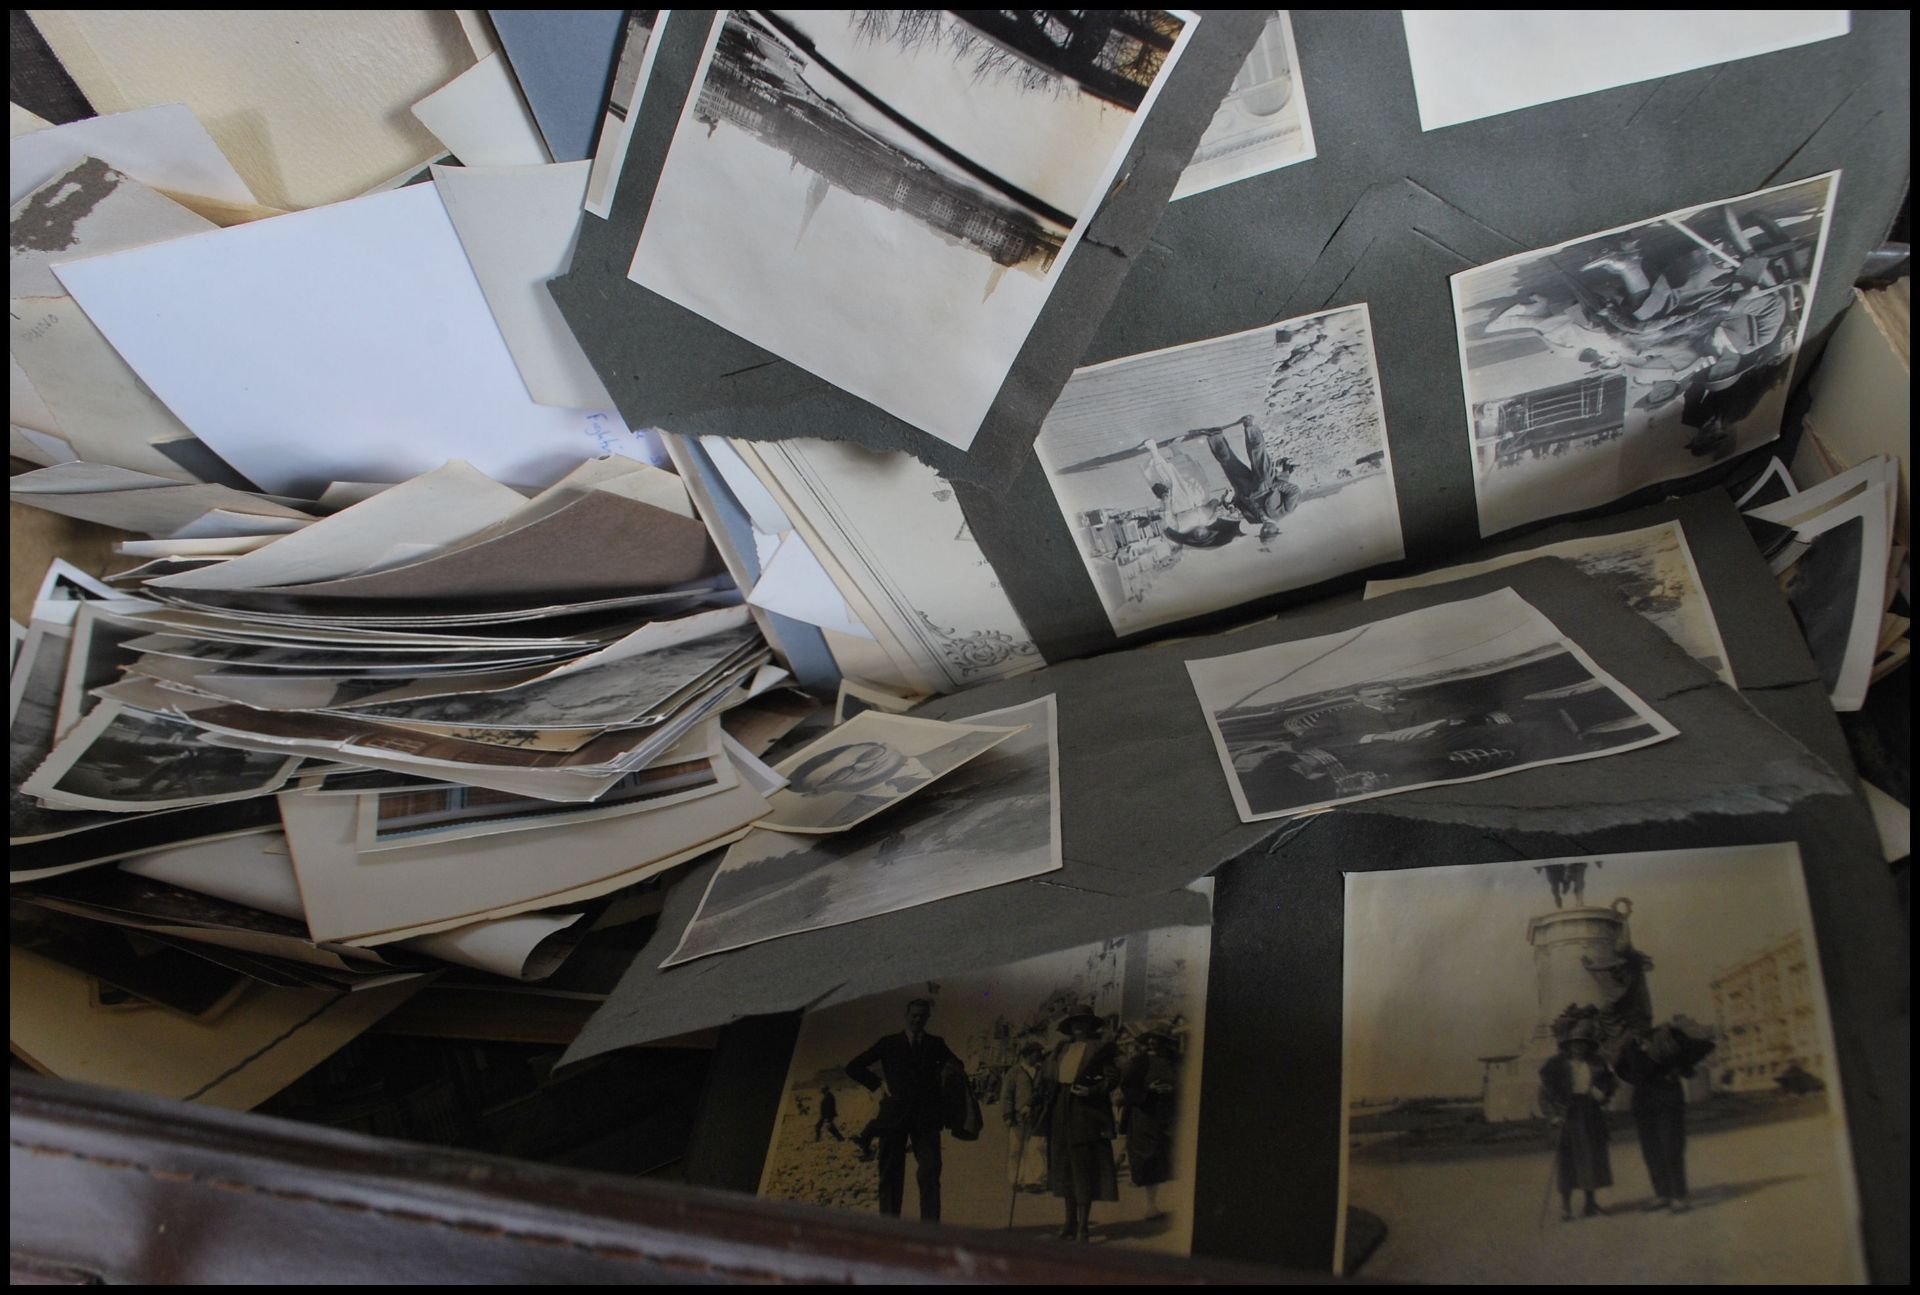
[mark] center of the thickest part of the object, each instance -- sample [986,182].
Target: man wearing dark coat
[829,1116]
[1150,1087]
[1574,1088]
[912,1065]
[1655,1063]
[1077,1114]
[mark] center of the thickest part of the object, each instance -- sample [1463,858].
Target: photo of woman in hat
[1150,1086]
[1574,1088]
[1077,1088]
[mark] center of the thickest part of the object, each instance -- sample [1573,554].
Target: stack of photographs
[414,676]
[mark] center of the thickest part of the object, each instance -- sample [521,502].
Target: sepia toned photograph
[125,760]
[1203,476]
[638,45]
[1057,1097]
[1616,1068]
[869,764]
[1262,124]
[1651,568]
[1637,355]
[1452,693]
[837,174]
[995,819]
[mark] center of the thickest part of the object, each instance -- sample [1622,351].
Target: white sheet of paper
[1474,63]
[748,491]
[251,870]
[518,225]
[25,408]
[164,147]
[794,584]
[223,523]
[376,900]
[431,510]
[43,449]
[482,118]
[505,946]
[257,871]
[350,342]
[100,405]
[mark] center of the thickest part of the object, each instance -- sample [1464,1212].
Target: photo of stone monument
[1623,1060]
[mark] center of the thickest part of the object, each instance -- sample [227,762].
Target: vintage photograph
[396,818]
[838,174]
[97,654]
[1638,355]
[1451,693]
[1262,124]
[637,48]
[1837,589]
[1652,569]
[869,764]
[1617,1068]
[634,689]
[1206,475]
[126,760]
[1057,1097]
[855,697]
[890,531]
[994,820]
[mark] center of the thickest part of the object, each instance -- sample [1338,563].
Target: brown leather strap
[130,1188]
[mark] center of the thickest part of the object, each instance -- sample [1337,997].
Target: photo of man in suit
[912,1066]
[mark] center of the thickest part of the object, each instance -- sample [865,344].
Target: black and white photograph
[33,713]
[994,820]
[1451,693]
[1203,476]
[95,658]
[1652,568]
[870,764]
[886,197]
[638,45]
[1637,355]
[126,761]
[1056,1098]
[1614,1068]
[1262,124]
[1836,589]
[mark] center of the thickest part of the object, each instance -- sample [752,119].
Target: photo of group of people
[1054,1097]
[1534,1086]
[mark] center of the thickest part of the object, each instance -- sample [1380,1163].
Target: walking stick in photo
[1553,1173]
[1019,1169]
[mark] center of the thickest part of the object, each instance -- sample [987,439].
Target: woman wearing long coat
[1150,1086]
[1574,1088]
[1077,1088]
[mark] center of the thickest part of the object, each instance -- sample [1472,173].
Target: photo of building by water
[885,198]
